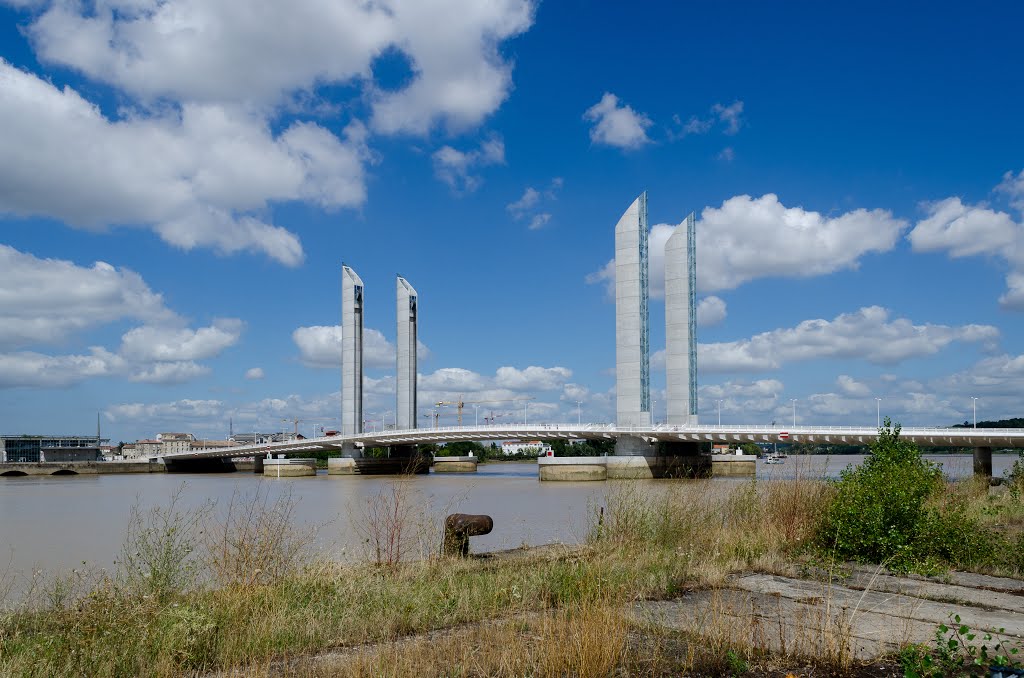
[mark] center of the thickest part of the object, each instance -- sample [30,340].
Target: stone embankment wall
[65,468]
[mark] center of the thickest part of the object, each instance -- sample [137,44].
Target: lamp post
[579,413]
[525,405]
[654,407]
[975,411]
[719,412]
[476,415]
[878,413]
[794,411]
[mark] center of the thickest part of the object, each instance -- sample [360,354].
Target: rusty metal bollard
[459,527]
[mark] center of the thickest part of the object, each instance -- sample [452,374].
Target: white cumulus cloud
[977,230]
[750,238]
[617,125]
[532,378]
[164,344]
[963,230]
[851,387]
[196,176]
[320,346]
[868,334]
[47,300]
[211,51]
[710,311]
[531,206]
[456,168]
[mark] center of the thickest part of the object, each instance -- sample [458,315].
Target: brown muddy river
[62,522]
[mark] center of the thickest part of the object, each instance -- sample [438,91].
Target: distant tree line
[1002,423]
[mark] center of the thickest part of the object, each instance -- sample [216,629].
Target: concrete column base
[737,465]
[455,464]
[650,466]
[983,461]
[570,469]
[257,463]
[347,466]
[351,451]
[288,468]
[341,466]
[631,446]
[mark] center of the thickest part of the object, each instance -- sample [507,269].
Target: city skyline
[175,208]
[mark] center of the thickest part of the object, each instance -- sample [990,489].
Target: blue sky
[182,181]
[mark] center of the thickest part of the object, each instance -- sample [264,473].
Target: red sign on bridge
[783,435]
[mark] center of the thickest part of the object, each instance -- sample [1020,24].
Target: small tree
[880,507]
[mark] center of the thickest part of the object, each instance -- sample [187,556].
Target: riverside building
[33,449]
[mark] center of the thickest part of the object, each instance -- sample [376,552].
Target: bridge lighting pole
[878,413]
[975,411]
[476,415]
[794,411]
[525,405]
[719,413]
[579,413]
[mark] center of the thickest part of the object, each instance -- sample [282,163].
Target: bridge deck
[838,435]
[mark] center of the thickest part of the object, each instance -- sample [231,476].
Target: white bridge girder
[966,437]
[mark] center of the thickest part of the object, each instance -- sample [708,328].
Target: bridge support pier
[200,465]
[412,460]
[632,446]
[257,463]
[684,460]
[403,451]
[983,461]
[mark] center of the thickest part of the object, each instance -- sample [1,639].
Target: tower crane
[296,421]
[460,403]
[494,417]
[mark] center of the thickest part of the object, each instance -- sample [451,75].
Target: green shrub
[881,513]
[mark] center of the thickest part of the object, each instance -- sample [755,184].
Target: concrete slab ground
[864,616]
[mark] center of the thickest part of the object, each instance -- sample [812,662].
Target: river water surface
[63,522]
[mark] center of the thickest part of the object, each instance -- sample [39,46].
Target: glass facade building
[34,449]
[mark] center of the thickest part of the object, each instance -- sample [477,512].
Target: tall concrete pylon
[351,354]
[632,348]
[681,325]
[407,306]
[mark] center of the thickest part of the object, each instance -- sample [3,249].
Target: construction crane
[460,403]
[493,417]
[296,421]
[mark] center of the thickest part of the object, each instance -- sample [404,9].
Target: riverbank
[237,590]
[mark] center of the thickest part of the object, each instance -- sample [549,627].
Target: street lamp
[719,412]
[878,413]
[975,411]
[654,407]
[525,405]
[579,413]
[794,411]
[476,415]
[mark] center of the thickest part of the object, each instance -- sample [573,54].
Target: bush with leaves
[886,511]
